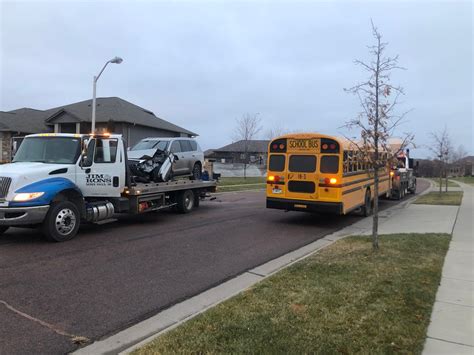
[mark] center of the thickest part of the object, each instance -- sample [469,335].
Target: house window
[67,128]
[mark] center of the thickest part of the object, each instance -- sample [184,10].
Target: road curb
[136,336]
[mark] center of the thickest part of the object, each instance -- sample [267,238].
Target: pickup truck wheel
[196,172]
[61,222]
[185,201]
[3,229]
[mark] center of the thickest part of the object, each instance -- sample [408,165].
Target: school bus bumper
[300,205]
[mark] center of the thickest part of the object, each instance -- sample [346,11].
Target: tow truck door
[102,172]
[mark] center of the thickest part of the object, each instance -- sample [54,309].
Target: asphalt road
[112,276]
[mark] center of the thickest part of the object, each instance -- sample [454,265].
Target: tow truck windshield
[51,150]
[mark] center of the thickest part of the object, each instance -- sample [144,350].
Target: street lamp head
[116,60]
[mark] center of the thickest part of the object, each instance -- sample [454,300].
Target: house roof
[255,146]
[117,110]
[208,152]
[24,120]
[108,109]
[468,159]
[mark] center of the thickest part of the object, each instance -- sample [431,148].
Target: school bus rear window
[277,163]
[329,164]
[302,163]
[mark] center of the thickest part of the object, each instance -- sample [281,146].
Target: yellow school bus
[320,173]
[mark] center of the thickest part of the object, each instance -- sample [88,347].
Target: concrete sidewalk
[451,330]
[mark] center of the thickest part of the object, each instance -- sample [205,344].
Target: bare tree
[377,120]
[276,130]
[247,128]
[442,149]
[459,154]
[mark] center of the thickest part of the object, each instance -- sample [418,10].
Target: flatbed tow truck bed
[176,185]
[182,193]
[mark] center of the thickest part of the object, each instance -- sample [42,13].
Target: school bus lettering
[303,144]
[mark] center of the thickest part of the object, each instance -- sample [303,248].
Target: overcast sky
[201,65]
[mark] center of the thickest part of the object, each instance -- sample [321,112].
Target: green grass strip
[241,181]
[452,198]
[344,299]
[465,179]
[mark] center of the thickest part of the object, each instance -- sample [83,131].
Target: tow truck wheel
[185,201]
[61,222]
[3,229]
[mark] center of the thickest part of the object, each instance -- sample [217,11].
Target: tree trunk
[375,224]
[446,176]
[440,178]
[245,160]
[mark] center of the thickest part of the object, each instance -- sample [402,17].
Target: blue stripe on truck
[50,187]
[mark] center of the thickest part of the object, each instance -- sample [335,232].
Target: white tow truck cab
[59,180]
[403,176]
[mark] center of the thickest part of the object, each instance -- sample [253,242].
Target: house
[462,167]
[234,153]
[435,167]
[113,115]
[12,128]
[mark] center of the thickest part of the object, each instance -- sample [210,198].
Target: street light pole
[116,60]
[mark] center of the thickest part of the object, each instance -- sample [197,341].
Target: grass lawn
[465,179]
[240,184]
[344,299]
[443,198]
[450,183]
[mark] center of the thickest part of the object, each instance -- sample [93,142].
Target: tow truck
[403,176]
[58,181]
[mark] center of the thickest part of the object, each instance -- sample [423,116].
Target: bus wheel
[61,222]
[367,208]
[185,201]
[398,194]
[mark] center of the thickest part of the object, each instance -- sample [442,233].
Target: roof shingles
[108,109]
[255,146]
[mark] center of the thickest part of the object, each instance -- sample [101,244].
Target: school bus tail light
[275,179]
[330,181]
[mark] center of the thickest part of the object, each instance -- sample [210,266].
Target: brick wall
[5,149]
